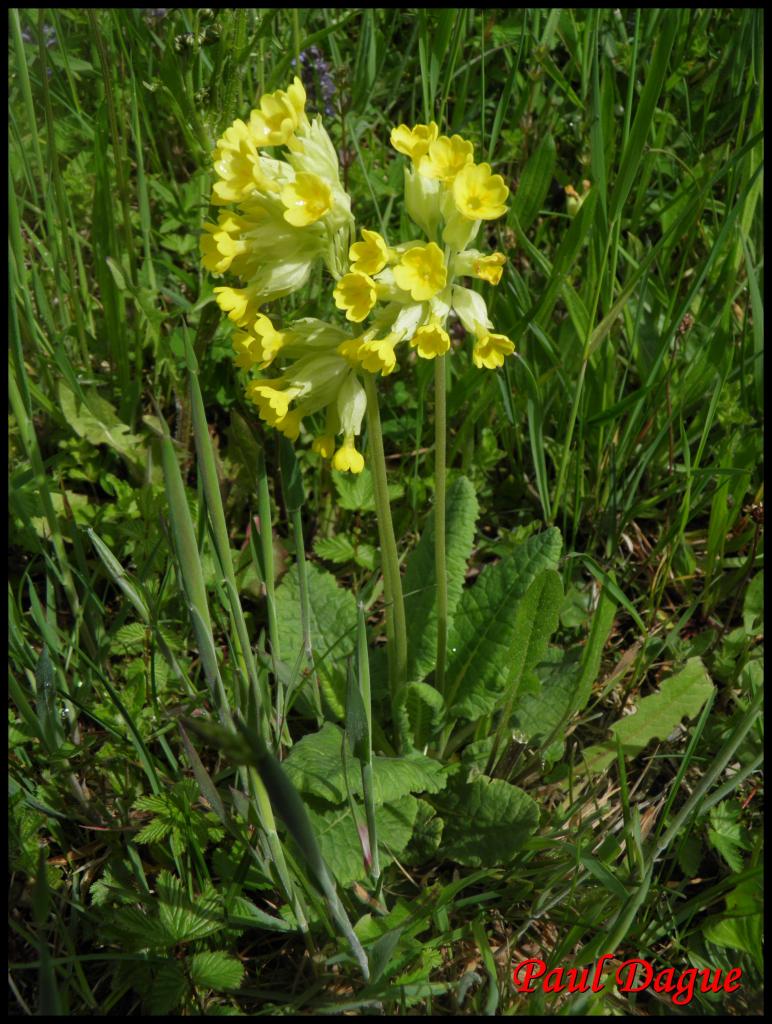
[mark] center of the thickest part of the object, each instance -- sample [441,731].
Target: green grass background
[632,420]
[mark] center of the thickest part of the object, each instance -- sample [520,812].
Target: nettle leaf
[485,624]
[486,820]
[656,716]
[218,970]
[333,620]
[314,767]
[339,841]
[420,583]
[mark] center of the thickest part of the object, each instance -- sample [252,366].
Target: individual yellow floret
[279,116]
[422,271]
[490,349]
[370,255]
[446,157]
[431,340]
[414,142]
[356,294]
[307,199]
[324,444]
[347,459]
[478,194]
[377,354]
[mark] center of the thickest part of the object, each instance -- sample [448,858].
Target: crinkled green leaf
[656,716]
[486,820]
[333,620]
[420,583]
[167,990]
[314,766]
[535,620]
[99,423]
[340,843]
[484,625]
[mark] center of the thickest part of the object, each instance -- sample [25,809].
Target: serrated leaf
[420,583]
[486,820]
[355,490]
[130,638]
[333,619]
[217,970]
[167,990]
[338,549]
[340,844]
[535,620]
[153,832]
[656,716]
[484,624]
[183,919]
[314,766]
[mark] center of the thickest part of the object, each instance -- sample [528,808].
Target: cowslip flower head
[356,294]
[421,271]
[414,142]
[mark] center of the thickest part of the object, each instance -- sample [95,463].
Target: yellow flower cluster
[282,213]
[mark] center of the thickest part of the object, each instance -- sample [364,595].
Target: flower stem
[391,577]
[440,475]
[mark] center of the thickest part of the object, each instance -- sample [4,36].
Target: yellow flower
[422,271]
[236,163]
[478,194]
[356,293]
[324,444]
[490,268]
[414,142]
[248,350]
[347,459]
[307,199]
[241,304]
[370,255]
[378,354]
[490,349]
[477,264]
[279,115]
[431,340]
[446,157]
[272,402]
[271,340]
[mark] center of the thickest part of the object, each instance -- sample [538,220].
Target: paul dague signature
[630,976]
